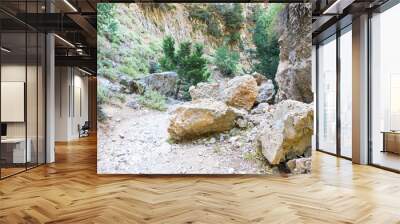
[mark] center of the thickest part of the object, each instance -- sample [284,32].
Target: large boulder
[293,75]
[130,85]
[200,117]
[287,134]
[205,90]
[241,92]
[164,82]
[266,92]
[107,84]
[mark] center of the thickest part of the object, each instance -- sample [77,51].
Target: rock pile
[241,92]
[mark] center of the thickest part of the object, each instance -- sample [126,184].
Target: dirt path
[136,142]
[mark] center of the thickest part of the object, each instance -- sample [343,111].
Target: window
[385,89]
[346,92]
[327,95]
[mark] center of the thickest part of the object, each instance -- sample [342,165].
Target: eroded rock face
[287,134]
[266,92]
[241,92]
[205,90]
[164,82]
[294,70]
[200,117]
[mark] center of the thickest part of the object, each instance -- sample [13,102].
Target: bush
[106,22]
[266,40]
[206,16]
[233,20]
[101,116]
[134,66]
[103,95]
[226,61]
[154,67]
[153,100]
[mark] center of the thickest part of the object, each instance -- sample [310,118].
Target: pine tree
[168,61]
[190,64]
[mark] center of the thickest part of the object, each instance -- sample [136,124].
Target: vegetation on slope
[133,41]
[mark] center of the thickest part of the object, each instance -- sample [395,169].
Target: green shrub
[101,116]
[103,95]
[121,97]
[206,16]
[154,67]
[233,21]
[266,40]
[134,66]
[226,61]
[108,73]
[233,16]
[107,23]
[128,70]
[153,100]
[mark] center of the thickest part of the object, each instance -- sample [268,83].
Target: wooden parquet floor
[70,191]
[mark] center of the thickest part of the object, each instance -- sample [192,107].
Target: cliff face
[153,23]
[294,71]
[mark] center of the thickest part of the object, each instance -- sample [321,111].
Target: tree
[192,67]
[265,39]
[226,61]
[189,63]
[168,61]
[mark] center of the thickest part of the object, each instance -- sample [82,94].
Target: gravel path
[136,142]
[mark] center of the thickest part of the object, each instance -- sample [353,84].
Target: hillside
[204,88]
[136,43]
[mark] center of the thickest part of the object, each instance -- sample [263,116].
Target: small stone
[133,104]
[299,165]
[233,139]
[121,136]
[212,140]
[241,123]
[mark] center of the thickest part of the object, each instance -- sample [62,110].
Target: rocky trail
[136,141]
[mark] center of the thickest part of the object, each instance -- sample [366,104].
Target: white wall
[71,87]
